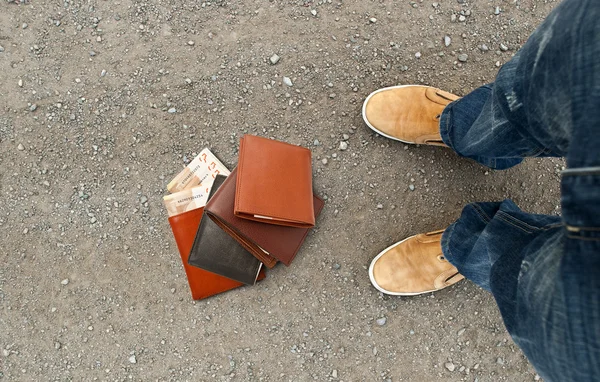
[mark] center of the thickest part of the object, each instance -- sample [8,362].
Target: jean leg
[543,271]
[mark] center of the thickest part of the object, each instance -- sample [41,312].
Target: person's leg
[543,271]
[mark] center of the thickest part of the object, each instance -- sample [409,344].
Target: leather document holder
[274,183]
[202,283]
[268,242]
[217,252]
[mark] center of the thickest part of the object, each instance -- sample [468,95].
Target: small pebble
[92,53]
[379,206]
[20,147]
[132,359]
[450,366]
[462,18]
[343,145]
[334,373]
[24,26]
[324,160]
[447,40]
[503,47]
[1,49]
[287,81]
[381,321]
[372,20]
[274,59]
[57,345]
[65,282]
[313,12]
[98,39]
[484,48]
[188,81]
[190,43]
[103,73]
[411,187]
[172,110]
[497,11]
[33,107]
[20,83]
[463,57]
[418,55]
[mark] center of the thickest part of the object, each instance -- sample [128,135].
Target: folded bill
[186,200]
[202,170]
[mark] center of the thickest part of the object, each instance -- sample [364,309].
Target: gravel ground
[103,102]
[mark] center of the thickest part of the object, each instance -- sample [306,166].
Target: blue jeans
[544,271]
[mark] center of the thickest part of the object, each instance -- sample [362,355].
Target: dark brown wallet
[217,252]
[267,242]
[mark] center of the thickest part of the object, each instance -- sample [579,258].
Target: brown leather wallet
[268,242]
[274,183]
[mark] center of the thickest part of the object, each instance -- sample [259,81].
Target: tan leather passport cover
[274,183]
[202,283]
[281,242]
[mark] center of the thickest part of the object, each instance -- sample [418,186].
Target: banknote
[202,170]
[186,200]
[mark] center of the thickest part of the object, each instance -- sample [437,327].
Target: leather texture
[280,242]
[274,183]
[415,265]
[202,283]
[409,113]
[216,251]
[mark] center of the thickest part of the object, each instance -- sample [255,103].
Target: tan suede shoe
[408,113]
[413,266]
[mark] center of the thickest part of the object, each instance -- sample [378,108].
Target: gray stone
[287,81]
[132,359]
[372,20]
[447,40]
[313,12]
[463,57]
[172,110]
[33,107]
[65,282]
[274,59]
[450,366]
[343,146]
[411,187]
[381,321]
[1,49]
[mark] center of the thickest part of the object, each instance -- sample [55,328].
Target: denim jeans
[543,271]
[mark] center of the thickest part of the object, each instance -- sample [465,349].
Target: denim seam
[515,224]
[486,218]
[582,238]
[524,226]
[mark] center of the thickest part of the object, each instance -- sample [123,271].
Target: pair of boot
[410,114]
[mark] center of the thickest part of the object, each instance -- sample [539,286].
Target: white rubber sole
[383,290]
[364,108]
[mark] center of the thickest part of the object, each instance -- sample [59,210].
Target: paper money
[186,200]
[202,170]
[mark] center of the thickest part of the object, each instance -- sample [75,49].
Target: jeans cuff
[445,124]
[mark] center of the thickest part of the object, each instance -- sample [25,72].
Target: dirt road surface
[104,102]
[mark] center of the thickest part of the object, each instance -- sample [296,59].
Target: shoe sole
[382,290]
[364,108]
